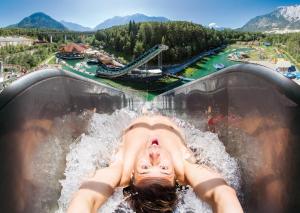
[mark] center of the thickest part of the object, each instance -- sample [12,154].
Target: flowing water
[94,149]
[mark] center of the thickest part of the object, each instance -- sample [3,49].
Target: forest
[289,42]
[27,56]
[185,39]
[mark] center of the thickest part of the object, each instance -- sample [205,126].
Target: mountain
[118,20]
[75,27]
[40,20]
[284,18]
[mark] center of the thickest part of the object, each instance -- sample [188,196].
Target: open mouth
[154,142]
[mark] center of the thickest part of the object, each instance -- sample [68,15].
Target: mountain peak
[121,20]
[39,14]
[75,27]
[137,14]
[290,13]
[40,20]
[44,21]
[288,6]
[284,18]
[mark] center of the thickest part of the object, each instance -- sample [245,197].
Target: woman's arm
[96,190]
[212,188]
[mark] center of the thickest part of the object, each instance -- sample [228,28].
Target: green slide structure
[104,71]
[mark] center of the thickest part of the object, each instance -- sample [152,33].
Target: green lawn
[263,53]
[293,60]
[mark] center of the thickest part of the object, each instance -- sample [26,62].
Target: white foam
[94,150]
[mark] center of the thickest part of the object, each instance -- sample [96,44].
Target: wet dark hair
[151,198]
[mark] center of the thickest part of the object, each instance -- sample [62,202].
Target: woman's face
[154,164]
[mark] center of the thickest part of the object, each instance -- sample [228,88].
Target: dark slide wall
[255,112]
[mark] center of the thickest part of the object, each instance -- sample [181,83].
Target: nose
[154,157]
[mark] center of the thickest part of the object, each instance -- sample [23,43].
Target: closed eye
[164,167]
[145,167]
[164,170]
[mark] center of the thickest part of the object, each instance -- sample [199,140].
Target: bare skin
[153,149]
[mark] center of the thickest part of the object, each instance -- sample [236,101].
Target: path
[48,60]
[179,77]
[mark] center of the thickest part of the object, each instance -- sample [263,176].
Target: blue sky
[225,13]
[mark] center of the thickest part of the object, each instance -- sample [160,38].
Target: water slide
[104,71]
[255,112]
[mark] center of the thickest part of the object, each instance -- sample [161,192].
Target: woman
[151,160]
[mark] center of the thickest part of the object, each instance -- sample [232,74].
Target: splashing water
[94,149]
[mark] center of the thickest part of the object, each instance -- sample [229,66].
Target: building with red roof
[72,51]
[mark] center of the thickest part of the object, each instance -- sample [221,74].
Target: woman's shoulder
[189,156]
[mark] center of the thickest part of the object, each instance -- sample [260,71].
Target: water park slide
[255,112]
[104,71]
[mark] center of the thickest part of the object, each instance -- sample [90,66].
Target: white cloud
[213,25]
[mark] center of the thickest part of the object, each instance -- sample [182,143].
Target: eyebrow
[154,127]
[144,173]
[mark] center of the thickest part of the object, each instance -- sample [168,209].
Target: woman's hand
[96,190]
[212,188]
